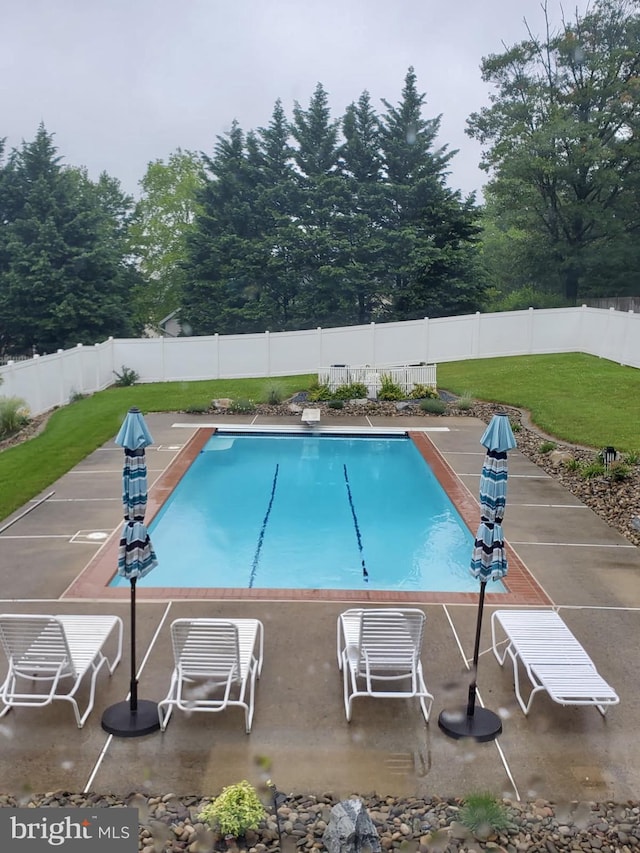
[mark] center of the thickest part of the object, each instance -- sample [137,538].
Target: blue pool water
[311,512]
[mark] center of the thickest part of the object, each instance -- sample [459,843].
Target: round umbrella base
[483,725]
[121,721]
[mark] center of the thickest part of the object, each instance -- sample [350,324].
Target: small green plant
[350,391]
[318,392]
[484,814]
[196,409]
[547,446]
[242,407]
[13,415]
[126,377]
[592,470]
[389,390]
[618,471]
[274,395]
[336,404]
[76,396]
[516,426]
[464,403]
[434,407]
[632,458]
[237,809]
[423,392]
[572,464]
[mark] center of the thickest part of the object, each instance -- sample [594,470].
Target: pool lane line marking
[107,744]
[365,573]
[503,757]
[256,556]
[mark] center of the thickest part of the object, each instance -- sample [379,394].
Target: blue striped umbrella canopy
[136,557]
[489,560]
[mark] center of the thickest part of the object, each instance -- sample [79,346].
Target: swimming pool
[311,512]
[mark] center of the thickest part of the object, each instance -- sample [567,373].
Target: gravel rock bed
[168,823]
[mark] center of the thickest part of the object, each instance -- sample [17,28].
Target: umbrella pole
[133,702]
[479,723]
[471,703]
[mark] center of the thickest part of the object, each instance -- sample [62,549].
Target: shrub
[572,464]
[423,392]
[336,404]
[274,395]
[464,403]
[632,458]
[484,814]
[433,407]
[618,471]
[389,390]
[516,426]
[126,377]
[237,809]
[242,407]
[547,446]
[350,391]
[319,392]
[13,415]
[593,469]
[196,409]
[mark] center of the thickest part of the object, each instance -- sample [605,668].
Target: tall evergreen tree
[431,229]
[63,278]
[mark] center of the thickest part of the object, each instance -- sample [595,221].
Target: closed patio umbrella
[136,558]
[488,562]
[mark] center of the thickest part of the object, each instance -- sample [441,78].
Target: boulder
[351,829]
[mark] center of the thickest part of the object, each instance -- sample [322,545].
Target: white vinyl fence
[406,376]
[51,380]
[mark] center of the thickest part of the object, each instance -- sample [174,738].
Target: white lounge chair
[49,650]
[379,646]
[310,416]
[551,656]
[214,656]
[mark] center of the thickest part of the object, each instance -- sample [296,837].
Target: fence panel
[47,381]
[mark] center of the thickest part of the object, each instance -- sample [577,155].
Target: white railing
[51,380]
[406,376]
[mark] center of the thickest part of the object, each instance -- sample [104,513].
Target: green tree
[164,215]
[63,278]
[431,257]
[561,144]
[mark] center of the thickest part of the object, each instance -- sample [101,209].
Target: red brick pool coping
[93,581]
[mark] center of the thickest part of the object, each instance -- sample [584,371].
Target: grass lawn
[575,397]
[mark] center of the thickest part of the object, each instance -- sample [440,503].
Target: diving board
[310,416]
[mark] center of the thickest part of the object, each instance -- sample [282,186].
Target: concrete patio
[300,738]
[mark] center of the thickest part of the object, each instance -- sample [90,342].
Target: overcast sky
[124,82]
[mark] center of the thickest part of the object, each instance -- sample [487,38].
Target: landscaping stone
[590,826]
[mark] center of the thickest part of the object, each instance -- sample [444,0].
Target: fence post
[373,343]
[61,398]
[217,348]
[97,379]
[79,362]
[426,339]
[267,342]
[39,405]
[475,336]
[530,331]
[320,356]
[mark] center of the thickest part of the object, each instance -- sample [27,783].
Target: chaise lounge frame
[214,656]
[378,646]
[552,657]
[49,650]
